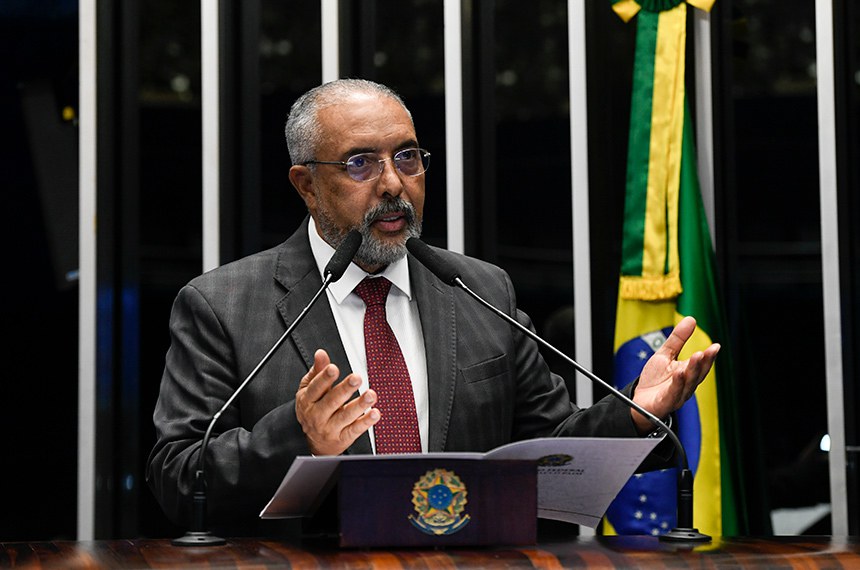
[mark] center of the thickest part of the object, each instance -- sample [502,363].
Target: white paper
[581,489]
[577,476]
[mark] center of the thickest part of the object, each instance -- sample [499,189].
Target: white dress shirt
[402,312]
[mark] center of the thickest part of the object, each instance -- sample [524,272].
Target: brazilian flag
[667,272]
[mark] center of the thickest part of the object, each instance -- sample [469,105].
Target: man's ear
[302,180]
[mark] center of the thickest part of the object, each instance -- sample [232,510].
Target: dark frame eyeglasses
[368,166]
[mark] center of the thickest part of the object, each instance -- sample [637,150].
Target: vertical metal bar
[454,124]
[87,267]
[577,77]
[209,70]
[704,106]
[824,48]
[576,31]
[330,40]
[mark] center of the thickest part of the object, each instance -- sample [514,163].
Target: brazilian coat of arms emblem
[439,497]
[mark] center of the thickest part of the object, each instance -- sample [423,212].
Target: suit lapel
[438,325]
[298,274]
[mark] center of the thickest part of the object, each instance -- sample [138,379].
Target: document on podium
[577,476]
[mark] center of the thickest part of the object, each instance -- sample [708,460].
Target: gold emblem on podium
[439,498]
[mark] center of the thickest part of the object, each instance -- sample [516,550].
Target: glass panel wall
[163,127]
[38,294]
[769,244]
[524,204]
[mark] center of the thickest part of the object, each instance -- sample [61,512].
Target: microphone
[684,532]
[342,257]
[198,535]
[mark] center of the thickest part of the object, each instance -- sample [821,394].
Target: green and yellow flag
[667,272]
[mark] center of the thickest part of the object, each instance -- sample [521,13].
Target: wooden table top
[594,552]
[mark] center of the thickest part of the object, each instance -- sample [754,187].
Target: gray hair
[303,130]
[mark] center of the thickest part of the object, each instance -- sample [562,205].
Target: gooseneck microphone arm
[684,532]
[198,535]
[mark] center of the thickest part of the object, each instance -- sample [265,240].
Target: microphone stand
[684,532]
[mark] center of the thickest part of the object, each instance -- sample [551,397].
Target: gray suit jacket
[488,385]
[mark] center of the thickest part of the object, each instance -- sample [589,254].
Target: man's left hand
[666,382]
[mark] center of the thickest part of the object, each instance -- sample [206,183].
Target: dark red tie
[397,429]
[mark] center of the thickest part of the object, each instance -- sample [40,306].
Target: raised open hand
[666,382]
[330,420]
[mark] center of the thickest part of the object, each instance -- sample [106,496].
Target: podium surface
[595,552]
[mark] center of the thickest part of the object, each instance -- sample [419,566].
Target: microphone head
[343,256]
[432,261]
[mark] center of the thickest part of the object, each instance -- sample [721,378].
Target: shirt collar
[397,272]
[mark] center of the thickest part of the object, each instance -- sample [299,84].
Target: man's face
[379,207]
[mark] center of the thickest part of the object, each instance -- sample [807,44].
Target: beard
[373,251]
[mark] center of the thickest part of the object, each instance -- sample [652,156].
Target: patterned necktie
[397,429]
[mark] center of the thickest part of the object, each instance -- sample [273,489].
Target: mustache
[390,206]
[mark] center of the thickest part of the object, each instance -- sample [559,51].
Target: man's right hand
[331,421]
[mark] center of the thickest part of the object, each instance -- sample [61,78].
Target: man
[475,382]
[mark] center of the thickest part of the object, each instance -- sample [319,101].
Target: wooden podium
[428,503]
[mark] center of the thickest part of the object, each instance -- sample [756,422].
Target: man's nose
[390,181]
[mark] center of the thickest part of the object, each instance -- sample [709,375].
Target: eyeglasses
[369,165]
